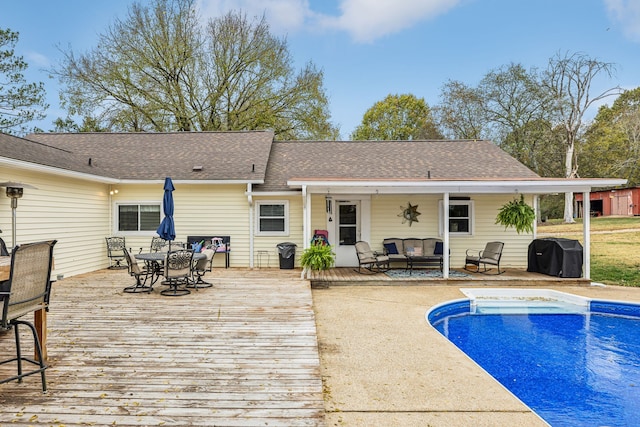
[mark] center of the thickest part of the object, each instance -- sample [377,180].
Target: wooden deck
[241,353]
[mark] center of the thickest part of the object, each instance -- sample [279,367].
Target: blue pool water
[572,369]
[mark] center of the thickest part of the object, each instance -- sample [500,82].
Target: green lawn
[615,255]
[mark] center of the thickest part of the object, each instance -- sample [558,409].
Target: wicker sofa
[398,250]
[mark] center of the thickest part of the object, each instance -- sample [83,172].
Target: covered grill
[555,257]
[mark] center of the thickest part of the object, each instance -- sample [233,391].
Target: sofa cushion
[391,248]
[438,250]
[429,246]
[411,243]
[398,243]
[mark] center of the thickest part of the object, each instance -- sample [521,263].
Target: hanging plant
[517,214]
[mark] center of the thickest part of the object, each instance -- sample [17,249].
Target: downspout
[251,225]
[445,235]
[586,231]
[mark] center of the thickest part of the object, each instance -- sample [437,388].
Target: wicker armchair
[27,291]
[369,260]
[491,255]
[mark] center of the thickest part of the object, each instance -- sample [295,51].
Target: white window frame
[471,217]
[259,203]
[116,217]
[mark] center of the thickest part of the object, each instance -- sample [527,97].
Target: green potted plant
[517,214]
[317,257]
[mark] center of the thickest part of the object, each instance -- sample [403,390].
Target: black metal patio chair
[177,272]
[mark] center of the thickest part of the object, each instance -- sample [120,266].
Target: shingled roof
[253,156]
[390,161]
[223,156]
[29,151]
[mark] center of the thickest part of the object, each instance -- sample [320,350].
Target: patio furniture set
[427,252]
[182,268]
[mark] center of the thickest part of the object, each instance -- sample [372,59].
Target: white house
[262,192]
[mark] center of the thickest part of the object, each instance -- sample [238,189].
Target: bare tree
[160,69]
[461,112]
[568,79]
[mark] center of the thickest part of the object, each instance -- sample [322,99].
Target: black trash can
[287,255]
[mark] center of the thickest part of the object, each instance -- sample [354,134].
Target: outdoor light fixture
[112,192]
[15,191]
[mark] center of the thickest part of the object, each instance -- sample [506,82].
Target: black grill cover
[556,257]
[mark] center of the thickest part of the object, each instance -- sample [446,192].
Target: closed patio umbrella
[167,228]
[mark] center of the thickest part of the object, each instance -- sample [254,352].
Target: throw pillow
[391,248]
[438,249]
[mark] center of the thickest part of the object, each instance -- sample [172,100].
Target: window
[460,217]
[272,218]
[143,217]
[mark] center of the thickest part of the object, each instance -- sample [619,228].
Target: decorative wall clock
[409,214]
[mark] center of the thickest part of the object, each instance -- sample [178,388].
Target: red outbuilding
[620,202]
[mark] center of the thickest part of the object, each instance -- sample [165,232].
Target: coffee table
[422,260]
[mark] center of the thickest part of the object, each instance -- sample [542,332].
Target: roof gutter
[32,167]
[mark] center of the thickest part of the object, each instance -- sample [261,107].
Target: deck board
[243,352]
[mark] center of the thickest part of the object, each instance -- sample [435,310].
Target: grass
[615,255]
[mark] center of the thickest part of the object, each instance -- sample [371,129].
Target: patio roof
[437,186]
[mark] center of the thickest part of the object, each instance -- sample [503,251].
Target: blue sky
[368,49]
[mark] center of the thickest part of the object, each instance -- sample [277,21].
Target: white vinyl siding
[267,244]
[386,222]
[74,212]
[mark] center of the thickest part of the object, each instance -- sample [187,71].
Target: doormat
[424,274]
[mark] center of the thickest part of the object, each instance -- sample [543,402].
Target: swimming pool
[573,360]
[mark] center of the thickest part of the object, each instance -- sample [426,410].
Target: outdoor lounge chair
[27,291]
[491,255]
[177,272]
[369,260]
[115,251]
[141,274]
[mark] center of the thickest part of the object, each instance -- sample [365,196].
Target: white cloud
[627,14]
[364,20]
[284,16]
[367,20]
[37,59]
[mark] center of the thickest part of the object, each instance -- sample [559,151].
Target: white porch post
[445,235]
[251,224]
[536,209]
[306,213]
[586,231]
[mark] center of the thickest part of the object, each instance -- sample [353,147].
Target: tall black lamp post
[15,190]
